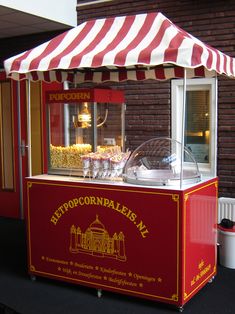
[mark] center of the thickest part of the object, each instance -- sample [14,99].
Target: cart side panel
[108,237]
[200,252]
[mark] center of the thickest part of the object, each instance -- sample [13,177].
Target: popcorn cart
[145,225]
[143,236]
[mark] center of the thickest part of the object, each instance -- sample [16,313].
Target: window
[200,135]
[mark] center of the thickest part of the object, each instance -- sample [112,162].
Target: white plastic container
[226,240]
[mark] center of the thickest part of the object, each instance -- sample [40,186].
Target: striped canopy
[136,47]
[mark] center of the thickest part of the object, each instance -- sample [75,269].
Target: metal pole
[216,124]
[66,119]
[123,126]
[29,131]
[183,127]
[20,152]
[93,125]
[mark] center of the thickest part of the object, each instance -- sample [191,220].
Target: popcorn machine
[84,123]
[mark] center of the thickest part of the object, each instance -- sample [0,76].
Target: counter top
[116,182]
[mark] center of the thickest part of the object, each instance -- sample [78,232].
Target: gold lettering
[75,200]
[128,214]
[92,200]
[80,200]
[69,96]
[87,200]
[57,213]
[117,207]
[87,96]
[111,204]
[54,220]
[71,204]
[202,273]
[99,200]
[60,209]
[143,233]
[141,226]
[133,217]
[124,210]
[106,202]
[66,206]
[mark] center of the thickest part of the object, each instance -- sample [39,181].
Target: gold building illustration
[97,241]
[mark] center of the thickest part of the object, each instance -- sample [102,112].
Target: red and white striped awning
[137,47]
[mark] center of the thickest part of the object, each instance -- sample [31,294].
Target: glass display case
[82,123]
[158,162]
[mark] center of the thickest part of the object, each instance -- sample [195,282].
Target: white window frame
[206,169]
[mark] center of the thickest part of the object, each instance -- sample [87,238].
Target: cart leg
[99,293]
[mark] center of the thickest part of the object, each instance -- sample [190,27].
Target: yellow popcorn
[69,156]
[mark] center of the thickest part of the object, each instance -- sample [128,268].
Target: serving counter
[157,243]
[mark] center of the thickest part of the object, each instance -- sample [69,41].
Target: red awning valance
[137,47]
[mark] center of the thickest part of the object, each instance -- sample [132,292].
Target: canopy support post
[183,127]
[66,118]
[93,126]
[216,126]
[29,131]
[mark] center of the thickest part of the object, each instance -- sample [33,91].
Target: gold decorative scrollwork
[175,297]
[32,268]
[175,197]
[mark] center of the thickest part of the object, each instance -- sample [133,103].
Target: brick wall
[14,45]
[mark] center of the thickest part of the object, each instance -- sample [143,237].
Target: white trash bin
[226,240]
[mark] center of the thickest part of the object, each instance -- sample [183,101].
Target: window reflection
[197,124]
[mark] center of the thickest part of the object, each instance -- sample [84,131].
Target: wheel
[33,277]
[181,308]
[99,293]
[212,279]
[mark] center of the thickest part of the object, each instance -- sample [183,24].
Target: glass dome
[158,162]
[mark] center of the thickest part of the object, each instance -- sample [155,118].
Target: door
[14,165]
[12,168]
